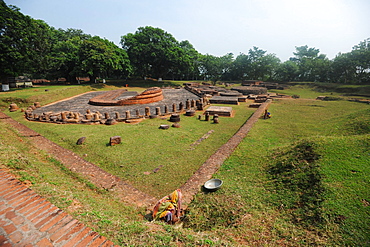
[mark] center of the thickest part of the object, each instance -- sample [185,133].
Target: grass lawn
[268,197]
[146,148]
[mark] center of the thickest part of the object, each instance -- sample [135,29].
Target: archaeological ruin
[111,107]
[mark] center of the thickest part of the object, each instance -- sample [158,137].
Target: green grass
[315,89]
[252,208]
[145,147]
[245,176]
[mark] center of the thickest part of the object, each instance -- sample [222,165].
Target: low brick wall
[150,95]
[107,98]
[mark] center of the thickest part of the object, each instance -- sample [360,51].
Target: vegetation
[174,158]
[299,178]
[31,47]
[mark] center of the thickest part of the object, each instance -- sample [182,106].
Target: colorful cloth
[169,207]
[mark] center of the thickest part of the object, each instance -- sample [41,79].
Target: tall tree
[360,56]
[190,70]
[214,68]
[287,71]
[240,67]
[262,67]
[66,60]
[102,58]
[152,51]
[24,43]
[312,65]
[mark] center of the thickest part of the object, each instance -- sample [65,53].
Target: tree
[153,52]
[102,58]
[24,43]
[240,67]
[360,56]
[190,70]
[287,71]
[312,65]
[262,67]
[66,60]
[213,68]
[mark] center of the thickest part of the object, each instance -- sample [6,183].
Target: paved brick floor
[80,103]
[27,219]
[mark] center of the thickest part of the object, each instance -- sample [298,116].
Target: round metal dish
[213,184]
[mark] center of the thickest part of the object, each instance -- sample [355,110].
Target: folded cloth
[168,208]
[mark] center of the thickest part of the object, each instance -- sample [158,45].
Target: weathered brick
[10,215]
[18,220]
[78,237]
[78,227]
[3,240]
[16,237]
[7,178]
[20,197]
[98,241]
[44,243]
[51,223]
[9,228]
[7,245]
[2,222]
[48,218]
[10,192]
[37,200]
[35,210]
[63,230]
[27,201]
[87,239]
[5,210]
[14,193]
[7,189]
[2,207]
[25,228]
[60,224]
[42,213]
[30,238]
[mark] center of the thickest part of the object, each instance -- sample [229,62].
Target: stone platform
[81,104]
[224,111]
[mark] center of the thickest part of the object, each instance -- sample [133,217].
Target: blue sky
[218,27]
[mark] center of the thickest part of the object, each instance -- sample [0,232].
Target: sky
[218,27]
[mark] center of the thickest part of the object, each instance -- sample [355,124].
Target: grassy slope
[244,211]
[258,219]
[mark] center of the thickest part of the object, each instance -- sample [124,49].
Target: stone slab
[225,111]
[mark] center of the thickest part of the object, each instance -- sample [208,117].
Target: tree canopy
[156,53]
[32,47]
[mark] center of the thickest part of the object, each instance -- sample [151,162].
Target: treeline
[31,47]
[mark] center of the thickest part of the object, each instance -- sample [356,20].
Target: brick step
[27,219]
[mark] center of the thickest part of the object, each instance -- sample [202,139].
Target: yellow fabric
[168,204]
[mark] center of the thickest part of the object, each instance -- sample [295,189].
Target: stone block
[110,121]
[164,126]
[114,140]
[81,140]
